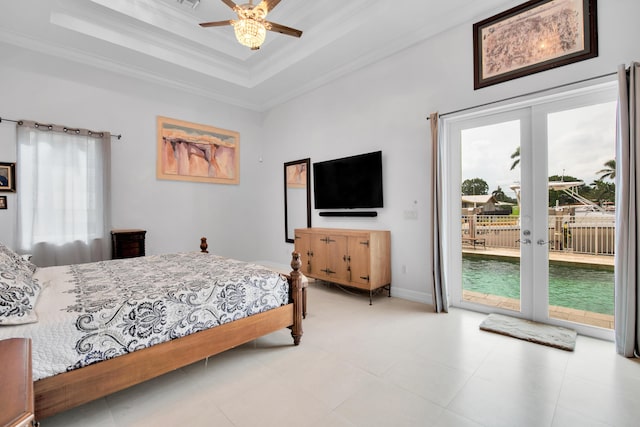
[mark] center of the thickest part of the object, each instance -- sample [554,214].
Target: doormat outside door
[540,333]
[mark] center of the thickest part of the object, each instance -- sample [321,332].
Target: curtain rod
[526,94]
[49,126]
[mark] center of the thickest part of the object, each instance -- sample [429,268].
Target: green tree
[516,158]
[609,170]
[602,191]
[475,187]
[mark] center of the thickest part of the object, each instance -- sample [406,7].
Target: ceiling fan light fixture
[249,32]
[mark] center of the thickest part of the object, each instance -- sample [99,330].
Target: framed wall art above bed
[194,152]
[535,36]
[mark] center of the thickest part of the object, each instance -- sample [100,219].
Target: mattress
[96,311]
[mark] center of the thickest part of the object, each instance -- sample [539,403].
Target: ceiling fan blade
[217,23]
[288,31]
[230,3]
[270,4]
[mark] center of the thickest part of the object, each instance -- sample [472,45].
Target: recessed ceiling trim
[322,34]
[160,41]
[108,64]
[176,21]
[394,45]
[191,3]
[165,50]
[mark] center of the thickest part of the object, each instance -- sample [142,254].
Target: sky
[580,142]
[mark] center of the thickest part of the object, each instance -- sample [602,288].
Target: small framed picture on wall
[7,177]
[3,202]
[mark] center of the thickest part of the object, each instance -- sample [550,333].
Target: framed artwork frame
[8,177]
[3,202]
[198,153]
[535,36]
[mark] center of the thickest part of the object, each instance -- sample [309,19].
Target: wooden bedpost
[296,296]
[204,245]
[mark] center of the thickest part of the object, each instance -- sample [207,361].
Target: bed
[122,334]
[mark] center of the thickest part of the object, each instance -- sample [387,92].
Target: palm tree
[603,191]
[516,156]
[609,171]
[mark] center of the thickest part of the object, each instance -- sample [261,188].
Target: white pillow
[18,290]
[18,260]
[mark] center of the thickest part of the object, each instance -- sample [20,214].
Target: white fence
[593,235]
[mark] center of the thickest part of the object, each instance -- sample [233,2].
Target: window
[63,197]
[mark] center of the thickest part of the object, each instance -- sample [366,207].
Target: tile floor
[391,364]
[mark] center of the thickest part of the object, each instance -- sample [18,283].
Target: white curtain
[440,297]
[63,194]
[627,301]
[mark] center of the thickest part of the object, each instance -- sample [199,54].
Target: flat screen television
[348,183]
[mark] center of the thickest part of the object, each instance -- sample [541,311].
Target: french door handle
[542,242]
[526,240]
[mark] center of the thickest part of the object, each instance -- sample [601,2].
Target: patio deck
[555,312]
[564,257]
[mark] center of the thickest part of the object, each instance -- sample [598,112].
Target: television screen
[349,182]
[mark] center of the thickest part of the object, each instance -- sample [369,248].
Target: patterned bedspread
[97,311]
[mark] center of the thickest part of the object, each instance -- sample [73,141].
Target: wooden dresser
[356,258]
[127,243]
[16,385]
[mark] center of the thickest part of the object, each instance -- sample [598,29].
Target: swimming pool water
[581,288]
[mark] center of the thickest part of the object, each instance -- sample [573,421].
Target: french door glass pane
[490,216]
[581,159]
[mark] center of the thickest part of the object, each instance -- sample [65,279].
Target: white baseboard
[422,297]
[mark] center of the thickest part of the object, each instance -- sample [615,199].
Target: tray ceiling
[161,41]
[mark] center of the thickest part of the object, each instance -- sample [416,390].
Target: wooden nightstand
[16,385]
[127,243]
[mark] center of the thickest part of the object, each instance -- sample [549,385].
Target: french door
[530,223]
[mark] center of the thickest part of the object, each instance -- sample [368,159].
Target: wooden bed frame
[70,389]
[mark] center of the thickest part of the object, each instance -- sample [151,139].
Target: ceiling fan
[251,26]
